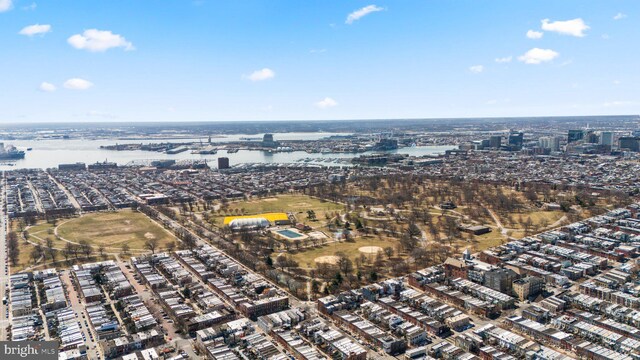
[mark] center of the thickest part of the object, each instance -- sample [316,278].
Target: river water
[50,153]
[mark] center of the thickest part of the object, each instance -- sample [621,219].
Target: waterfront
[50,153]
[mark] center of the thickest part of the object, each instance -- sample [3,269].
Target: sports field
[113,229]
[271,217]
[362,245]
[296,204]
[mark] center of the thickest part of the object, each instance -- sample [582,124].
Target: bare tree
[389,252]
[151,244]
[125,249]
[86,248]
[50,249]
[344,263]
[36,252]
[68,251]
[13,247]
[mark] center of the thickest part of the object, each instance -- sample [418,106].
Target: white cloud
[503,60]
[317,51]
[36,29]
[326,103]
[6,5]
[617,82]
[476,69]
[98,40]
[537,56]
[260,75]
[619,16]
[77,84]
[31,7]
[532,34]
[575,27]
[356,15]
[47,87]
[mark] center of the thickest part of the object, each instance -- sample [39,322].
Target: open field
[539,219]
[297,204]
[113,229]
[271,217]
[109,230]
[307,259]
[489,240]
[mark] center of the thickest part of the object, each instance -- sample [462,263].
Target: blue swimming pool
[288,233]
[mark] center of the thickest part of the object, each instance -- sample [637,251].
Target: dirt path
[504,231]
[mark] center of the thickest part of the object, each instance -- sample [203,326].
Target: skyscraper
[550,142]
[575,135]
[223,163]
[630,143]
[516,139]
[495,141]
[606,138]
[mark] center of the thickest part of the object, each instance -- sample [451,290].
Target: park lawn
[518,234]
[538,218]
[489,240]
[39,233]
[296,204]
[306,258]
[25,260]
[113,229]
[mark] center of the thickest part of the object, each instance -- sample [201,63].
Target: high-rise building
[575,135]
[223,163]
[606,138]
[267,141]
[591,137]
[550,142]
[516,139]
[630,143]
[495,141]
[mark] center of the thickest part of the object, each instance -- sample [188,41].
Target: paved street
[4,270]
[172,337]
[78,308]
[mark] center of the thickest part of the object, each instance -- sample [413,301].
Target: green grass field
[110,230]
[306,259]
[113,229]
[297,204]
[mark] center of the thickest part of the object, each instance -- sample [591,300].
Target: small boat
[29,149]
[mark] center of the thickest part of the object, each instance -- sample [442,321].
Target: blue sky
[208,60]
